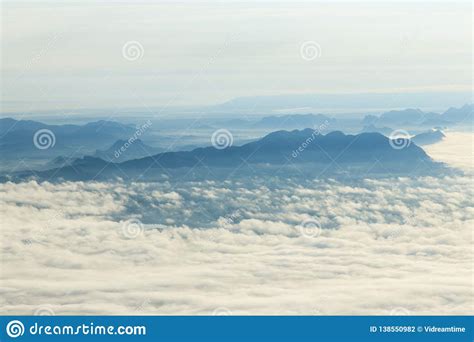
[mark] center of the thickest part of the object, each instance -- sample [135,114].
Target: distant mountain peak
[429,137]
[462,114]
[123,150]
[335,134]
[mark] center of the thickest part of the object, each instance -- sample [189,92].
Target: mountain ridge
[279,148]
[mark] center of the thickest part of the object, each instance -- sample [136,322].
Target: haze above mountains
[343,103]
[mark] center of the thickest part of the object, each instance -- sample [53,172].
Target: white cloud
[457,149]
[384,244]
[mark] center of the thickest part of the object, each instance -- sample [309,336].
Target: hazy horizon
[254,107]
[66,57]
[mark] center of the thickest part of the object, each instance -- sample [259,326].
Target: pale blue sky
[58,55]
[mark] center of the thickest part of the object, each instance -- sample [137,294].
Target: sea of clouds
[255,246]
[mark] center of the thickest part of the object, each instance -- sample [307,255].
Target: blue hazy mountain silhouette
[371,128]
[405,117]
[462,114]
[341,102]
[302,147]
[430,137]
[410,117]
[16,137]
[123,150]
[282,147]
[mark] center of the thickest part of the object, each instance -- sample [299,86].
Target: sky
[137,54]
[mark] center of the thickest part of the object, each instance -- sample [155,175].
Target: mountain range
[344,103]
[427,138]
[123,150]
[280,148]
[110,141]
[416,117]
[17,137]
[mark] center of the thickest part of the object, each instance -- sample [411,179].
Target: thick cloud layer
[266,246]
[457,150]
